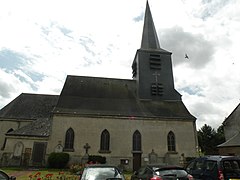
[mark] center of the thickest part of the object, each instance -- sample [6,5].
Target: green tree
[209,139]
[220,135]
[206,137]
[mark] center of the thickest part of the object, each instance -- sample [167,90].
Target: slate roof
[38,128]
[232,121]
[149,34]
[234,141]
[234,114]
[29,106]
[113,97]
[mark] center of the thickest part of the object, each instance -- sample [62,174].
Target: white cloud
[10,86]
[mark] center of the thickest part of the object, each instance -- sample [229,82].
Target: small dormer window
[155,61]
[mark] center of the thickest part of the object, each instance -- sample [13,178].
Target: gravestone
[18,149]
[5,159]
[85,157]
[153,157]
[17,154]
[182,160]
[58,148]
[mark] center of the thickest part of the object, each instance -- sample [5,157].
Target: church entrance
[137,161]
[38,154]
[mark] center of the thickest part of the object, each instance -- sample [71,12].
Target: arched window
[105,140]
[69,139]
[137,144]
[171,141]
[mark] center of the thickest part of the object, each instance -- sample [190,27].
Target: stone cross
[156,76]
[86,147]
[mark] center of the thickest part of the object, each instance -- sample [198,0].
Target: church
[131,122]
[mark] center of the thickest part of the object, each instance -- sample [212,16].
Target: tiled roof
[234,114]
[234,141]
[29,106]
[38,128]
[114,97]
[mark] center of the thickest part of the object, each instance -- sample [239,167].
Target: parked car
[102,172]
[161,172]
[215,168]
[4,176]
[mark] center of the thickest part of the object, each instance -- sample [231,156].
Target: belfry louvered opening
[157,89]
[155,61]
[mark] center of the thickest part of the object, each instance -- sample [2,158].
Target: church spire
[152,66]
[149,35]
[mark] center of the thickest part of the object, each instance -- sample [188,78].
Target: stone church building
[131,122]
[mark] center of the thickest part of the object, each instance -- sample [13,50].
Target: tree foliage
[209,139]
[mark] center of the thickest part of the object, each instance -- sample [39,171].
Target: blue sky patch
[192,90]
[10,60]
[139,18]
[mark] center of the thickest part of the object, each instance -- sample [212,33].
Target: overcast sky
[43,41]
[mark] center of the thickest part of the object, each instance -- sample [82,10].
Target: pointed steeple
[149,35]
[152,66]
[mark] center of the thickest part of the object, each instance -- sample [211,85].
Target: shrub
[58,160]
[96,159]
[76,168]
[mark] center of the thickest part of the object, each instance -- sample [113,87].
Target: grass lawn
[44,174]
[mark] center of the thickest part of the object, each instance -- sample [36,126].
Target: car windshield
[3,176]
[98,173]
[171,172]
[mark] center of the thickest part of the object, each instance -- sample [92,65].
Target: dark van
[215,168]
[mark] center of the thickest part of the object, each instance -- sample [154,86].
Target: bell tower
[152,66]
